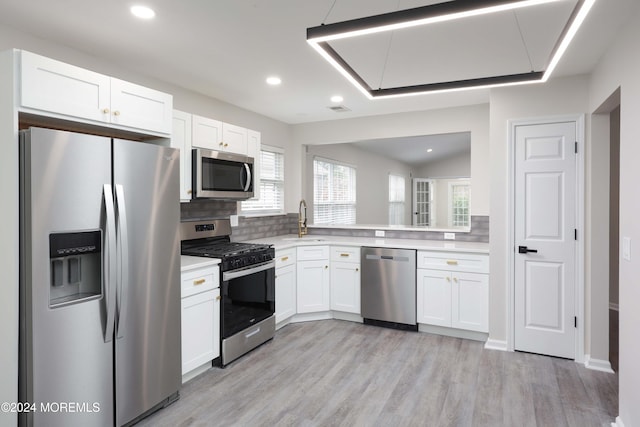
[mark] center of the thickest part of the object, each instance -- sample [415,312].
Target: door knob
[524,250]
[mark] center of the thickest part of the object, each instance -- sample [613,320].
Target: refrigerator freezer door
[64,357]
[148,365]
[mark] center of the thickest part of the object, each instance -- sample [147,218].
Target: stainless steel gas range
[247,278]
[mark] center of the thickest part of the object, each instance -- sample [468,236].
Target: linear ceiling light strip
[575,21]
[318,38]
[423,15]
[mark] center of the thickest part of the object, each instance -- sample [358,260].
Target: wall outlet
[379,233]
[449,236]
[234,220]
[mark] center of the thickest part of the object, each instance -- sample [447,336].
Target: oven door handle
[234,274]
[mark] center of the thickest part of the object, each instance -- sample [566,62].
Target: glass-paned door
[423,195]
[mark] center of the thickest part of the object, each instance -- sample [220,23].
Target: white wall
[556,97]
[473,118]
[620,67]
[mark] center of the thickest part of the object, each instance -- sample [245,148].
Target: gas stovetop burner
[212,239]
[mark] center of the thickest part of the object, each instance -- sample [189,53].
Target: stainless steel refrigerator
[99,278]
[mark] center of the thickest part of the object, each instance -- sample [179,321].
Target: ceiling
[226,49]
[413,150]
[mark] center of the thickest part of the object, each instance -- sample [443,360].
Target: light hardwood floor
[337,373]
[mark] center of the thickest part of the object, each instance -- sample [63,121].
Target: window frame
[242,210]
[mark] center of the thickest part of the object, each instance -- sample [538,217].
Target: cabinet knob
[189,191]
[198,282]
[326,266]
[357,269]
[221,144]
[226,145]
[116,113]
[448,278]
[452,262]
[284,258]
[105,111]
[218,298]
[455,279]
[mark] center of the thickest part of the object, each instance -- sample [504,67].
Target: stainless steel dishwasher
[388,287]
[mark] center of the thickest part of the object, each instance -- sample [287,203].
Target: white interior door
[422,202]
[545,242]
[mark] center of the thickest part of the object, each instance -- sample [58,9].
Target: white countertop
[193,262]
[292,240]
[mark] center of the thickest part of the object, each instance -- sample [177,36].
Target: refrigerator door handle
[123,251]
[109,261]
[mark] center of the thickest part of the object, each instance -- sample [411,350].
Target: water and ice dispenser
[76,267]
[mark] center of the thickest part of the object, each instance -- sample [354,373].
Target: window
[396,200]
[334,192]
[271,183]
[459,204]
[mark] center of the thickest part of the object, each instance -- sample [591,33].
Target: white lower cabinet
[312,274]
[200,329]
[451,296]
[200,317]
[345,279]
[285,284]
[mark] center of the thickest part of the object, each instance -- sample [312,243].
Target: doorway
[545,226]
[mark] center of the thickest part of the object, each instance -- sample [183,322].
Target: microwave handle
[247,184]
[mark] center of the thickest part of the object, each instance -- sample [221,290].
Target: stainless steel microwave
[221,175]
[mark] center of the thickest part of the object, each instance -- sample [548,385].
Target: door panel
[64,356]
[148,360]
[545,219]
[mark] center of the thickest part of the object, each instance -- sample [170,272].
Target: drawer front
[197,281]
[452,261]
[285,257]
[345,253]
[307,253]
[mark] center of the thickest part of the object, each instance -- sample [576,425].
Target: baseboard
[614,306]
[351,317]
[617,423]
[492,344]
[597,364]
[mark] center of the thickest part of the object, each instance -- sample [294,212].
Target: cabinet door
[434,297]
[234,138]
[345,287]
[181,139]
[53,86]
[140,107]
[207,133]
[285,292]
[253,150]
[312,290]
[200,337]
[470,301]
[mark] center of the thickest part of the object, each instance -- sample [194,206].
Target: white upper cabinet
[181,139]
[58,89]
[234,139]
[140,107]
[207,133]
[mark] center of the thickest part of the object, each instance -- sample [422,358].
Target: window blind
[334,193]
[271,183]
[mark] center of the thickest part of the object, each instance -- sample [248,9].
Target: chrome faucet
[302,223]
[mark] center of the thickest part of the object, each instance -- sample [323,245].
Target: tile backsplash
[250,228]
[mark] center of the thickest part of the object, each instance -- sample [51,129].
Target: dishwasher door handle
[387,258]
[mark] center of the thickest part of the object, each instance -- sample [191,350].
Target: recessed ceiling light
[142,12]
[337,98]
[429,150]
[273,80]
